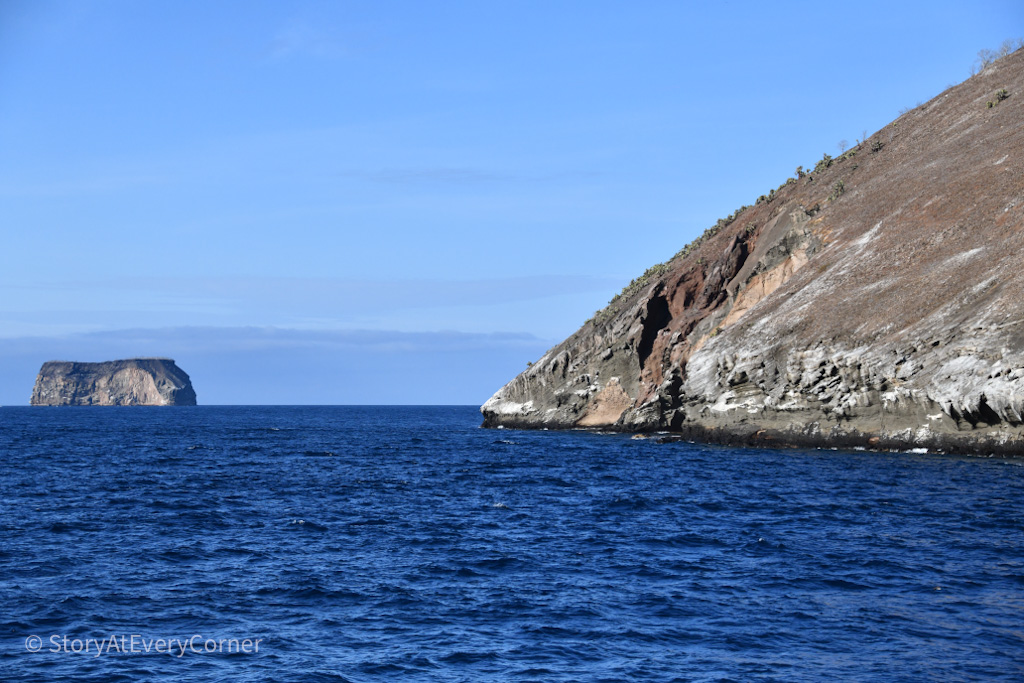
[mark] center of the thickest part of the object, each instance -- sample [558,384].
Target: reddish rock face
[135,382]
[877,300]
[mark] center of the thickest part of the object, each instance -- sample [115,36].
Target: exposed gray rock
[134,382]
[877,301]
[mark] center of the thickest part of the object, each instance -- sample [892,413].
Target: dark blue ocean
[406,543]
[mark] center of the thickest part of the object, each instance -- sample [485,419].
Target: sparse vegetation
[709,233]
[604,315]
[837,190]
[988,57]
[636,284]
[659,269]
[1000,94]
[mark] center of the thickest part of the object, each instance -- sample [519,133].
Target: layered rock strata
[134,382]
[874,301]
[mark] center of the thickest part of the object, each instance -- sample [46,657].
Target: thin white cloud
[268,365]
[309,296]
[148,341]
[550,306]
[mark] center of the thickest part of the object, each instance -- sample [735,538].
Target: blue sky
[289,184]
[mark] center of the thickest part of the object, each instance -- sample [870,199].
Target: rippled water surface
[361,543]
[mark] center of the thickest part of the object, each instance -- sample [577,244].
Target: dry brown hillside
[877,300]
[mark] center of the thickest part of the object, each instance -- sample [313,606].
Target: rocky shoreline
[875,300]
[132,382]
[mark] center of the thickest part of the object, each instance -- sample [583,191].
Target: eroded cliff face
[876,301]
[134,382]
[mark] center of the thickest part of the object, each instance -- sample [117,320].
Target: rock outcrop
[134,382]
[874,301]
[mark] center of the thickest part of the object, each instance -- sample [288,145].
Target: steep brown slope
[876,300]
[134,382]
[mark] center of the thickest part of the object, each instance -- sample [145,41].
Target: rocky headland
[133,382]
[875,300]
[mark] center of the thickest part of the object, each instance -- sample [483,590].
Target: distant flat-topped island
[131,382]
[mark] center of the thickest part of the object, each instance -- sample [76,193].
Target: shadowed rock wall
[135,382]
[876,300]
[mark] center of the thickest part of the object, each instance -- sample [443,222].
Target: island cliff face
[134,382]
[876,300]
